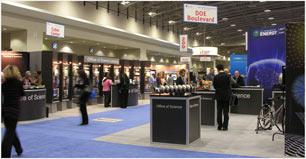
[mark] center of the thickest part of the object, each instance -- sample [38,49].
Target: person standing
[85,91]
[158,80]
[107,83]
[124,90]
[38,80]
[211,75]
[222,84]
[181,79]
[238,79]
[12,90]
[170,80]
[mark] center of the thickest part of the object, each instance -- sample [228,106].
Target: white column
[34,40]
[143,55]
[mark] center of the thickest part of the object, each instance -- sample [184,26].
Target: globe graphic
[265,73]
[298,90]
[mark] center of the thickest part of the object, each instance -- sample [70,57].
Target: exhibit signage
[55,30]
[200,14]
[91,50]
[185,59]
[205,58]
[183,43]
[239,63]
[205,51]
[19,59]
[54,45]
[97,59]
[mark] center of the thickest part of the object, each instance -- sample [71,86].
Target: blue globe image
[265,73]
[298,90]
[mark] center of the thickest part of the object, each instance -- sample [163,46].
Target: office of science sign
[104,60]
[200,14]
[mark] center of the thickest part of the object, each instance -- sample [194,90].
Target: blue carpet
[63,138]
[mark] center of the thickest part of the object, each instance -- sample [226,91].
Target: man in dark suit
[181,80]
[222,84]
[238,79]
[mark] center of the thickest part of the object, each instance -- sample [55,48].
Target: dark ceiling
[244,14]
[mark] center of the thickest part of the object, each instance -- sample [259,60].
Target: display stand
[250,100]
[175,119]
[132,97]
[208,107]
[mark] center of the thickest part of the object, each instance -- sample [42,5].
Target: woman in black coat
[85,91]
[12,90]
[124,90]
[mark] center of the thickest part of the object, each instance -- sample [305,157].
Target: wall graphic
[19,59]
[266,56]
[239,63]
[295,90]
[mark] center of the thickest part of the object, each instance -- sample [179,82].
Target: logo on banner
[183,43]
[256,33]
[185,59]
[200,14]
[205,51]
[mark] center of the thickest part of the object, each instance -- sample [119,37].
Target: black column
[142,76]
[70,76]
[46,70]
[60,59]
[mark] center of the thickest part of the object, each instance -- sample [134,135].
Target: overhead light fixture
[98,43]
[198,33]
[233,25]
[171,22]
[243,34]
[270,18]
[186,28]
[267,11]
[46,38]
[104,46]
[208,37]
[222,44]
[125,2]
[224,19]
[239,30]
[71,42]
[84,41]
[152,14]
[4,28]
[262,1]
[273,24]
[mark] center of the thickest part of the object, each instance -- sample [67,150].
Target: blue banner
[266,56]
[239,63]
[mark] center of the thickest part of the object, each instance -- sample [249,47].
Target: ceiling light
[125,2]
[224,19]
[239,30]
[4,28]
[71,42]
[243,34]
[104,46]
[222,44]
[232,25]
[186,28]
[262,1]
[273,24]
[270,18]
[46,38]
[98,43]
[208,37]
[171,22]
[198,33]
[152,14]
[267,11]
[84,41]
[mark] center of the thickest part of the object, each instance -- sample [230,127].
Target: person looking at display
[107,83]
[37,79]
[170,80]
[211,75]
[238,79]
[85,92]
[12,90]
[181,79]
[222,84]
[158,80]
[124,90]
[27,78]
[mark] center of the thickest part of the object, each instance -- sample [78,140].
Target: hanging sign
[200,14]
[185,59]
[205,51]
[104,60]
[183,43]
[205,58]
[55,30]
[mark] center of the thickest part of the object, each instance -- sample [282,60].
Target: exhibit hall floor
[125,133]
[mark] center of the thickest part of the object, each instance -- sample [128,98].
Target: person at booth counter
[222,84]
[181,79]
[37,79]
[238,79]
[27,78]
[170,80]
[124,90]
[211,75]
[85,92]
[12,90]
[107,83]
[158,80]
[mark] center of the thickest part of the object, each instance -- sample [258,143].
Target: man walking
[222,84]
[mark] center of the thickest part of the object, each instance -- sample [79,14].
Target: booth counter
[33,105]
[175,119]
[132,98]
[208,107]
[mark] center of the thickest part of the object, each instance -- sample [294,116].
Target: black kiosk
[175,119]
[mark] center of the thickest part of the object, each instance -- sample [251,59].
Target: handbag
[93,94]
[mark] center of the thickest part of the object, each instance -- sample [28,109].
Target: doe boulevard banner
[200,14]
[266,56]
